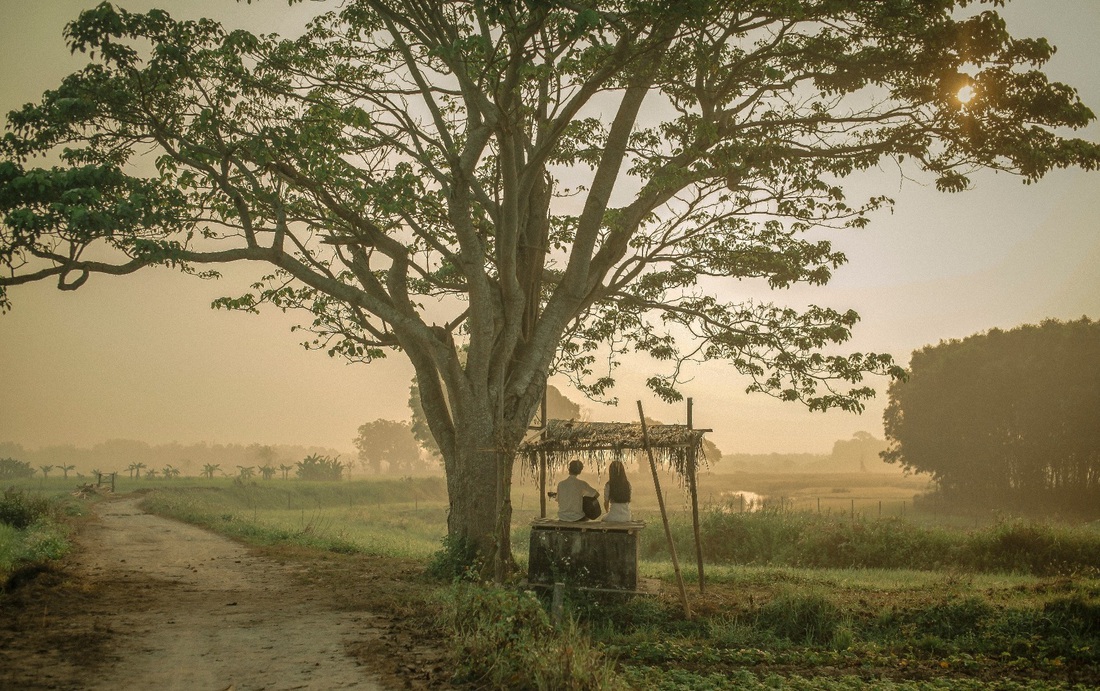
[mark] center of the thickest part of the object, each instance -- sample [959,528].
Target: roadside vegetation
[794,599]
[34,530]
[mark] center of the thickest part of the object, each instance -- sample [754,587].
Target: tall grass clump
[503,639]
[879,544]
[759,537]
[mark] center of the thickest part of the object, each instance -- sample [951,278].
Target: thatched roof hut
[561,441]
[678,448]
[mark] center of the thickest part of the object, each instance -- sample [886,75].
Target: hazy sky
[144,357]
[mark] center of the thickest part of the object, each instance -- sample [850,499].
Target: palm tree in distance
[45,470]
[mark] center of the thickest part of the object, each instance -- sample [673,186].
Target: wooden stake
[664,515]
[694,489]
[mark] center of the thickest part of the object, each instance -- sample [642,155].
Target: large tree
[1005,418]
[390,442]
[499,190]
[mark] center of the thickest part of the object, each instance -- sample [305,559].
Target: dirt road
[150,603]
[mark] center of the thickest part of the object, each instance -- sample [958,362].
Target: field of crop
[845,596]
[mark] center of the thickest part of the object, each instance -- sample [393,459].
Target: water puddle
[740,501]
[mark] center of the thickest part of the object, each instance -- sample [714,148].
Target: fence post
[557,603]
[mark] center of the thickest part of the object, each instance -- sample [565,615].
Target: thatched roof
[602,442]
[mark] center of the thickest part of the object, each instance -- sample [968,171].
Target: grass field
[1018,608]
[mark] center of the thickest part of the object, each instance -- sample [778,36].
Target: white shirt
[616,511]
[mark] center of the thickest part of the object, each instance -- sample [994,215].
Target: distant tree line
[130,457]
[860,454]
[1005,418]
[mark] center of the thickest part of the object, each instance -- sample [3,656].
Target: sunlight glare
[965,94]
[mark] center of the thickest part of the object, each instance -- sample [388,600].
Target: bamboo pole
[693,487]
[542,484]
[664,515]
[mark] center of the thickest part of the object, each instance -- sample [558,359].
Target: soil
[145,602]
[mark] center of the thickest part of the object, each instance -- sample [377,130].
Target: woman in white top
[616,494]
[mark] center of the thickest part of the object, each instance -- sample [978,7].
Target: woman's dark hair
[618,487]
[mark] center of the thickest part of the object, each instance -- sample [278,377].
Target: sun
[966,94]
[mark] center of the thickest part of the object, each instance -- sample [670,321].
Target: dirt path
[156,604]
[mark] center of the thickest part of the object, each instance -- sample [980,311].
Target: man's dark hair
[575,467]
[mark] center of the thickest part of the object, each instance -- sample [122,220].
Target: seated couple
[616,494]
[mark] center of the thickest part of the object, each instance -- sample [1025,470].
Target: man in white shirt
[570,492]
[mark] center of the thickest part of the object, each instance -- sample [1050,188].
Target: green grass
[398,518]
[988,631]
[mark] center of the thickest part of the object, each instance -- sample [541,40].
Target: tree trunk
[478,412]
[479,486]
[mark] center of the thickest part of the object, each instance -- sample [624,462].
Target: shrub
[318,467]
[11,469]
[19,509]
[455,560]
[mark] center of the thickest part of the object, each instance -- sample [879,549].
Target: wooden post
[557,605]
[542,484]
[664,515]
[693,487]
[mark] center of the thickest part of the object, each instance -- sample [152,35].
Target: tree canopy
[504,190]
[1005,418]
